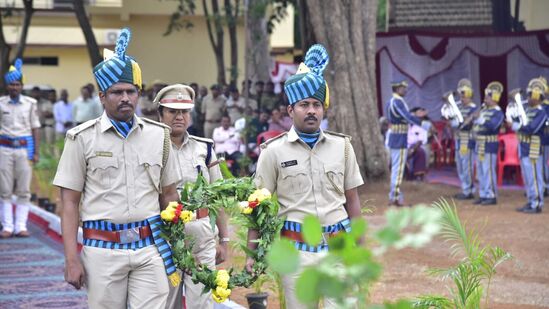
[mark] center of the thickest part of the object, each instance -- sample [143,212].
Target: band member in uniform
[486,129]
[545,138]
[400,118]
[465,144]
[531,157]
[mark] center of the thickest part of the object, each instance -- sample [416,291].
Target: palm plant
[473,275]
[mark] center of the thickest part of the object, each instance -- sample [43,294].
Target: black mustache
[311,118]
[125,105]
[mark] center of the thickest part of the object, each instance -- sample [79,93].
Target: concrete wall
[533,13]
[184,56]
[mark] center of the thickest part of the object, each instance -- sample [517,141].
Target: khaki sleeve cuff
[68,183]
[354,184]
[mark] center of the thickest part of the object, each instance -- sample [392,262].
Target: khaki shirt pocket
[294,181]
[148,172]
[104,171]
[201,165]
[334,178]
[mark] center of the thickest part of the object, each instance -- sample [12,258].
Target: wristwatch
[224,239]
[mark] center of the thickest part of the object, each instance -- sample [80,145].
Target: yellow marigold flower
[266,193]
[222,292]
[186,216]
[172,205]
[218,299]
[167,214]
[246,210]
[222,278]
[259,195]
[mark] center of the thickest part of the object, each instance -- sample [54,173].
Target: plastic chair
[444,155]
[262,137]
[508,157]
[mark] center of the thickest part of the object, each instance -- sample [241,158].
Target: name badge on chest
[288,163]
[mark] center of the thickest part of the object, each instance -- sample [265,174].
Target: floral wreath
[239,197]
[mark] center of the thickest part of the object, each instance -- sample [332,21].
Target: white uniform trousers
[15,178]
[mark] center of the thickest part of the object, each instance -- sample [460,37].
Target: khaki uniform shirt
[18,120]
[45,106]
[309,181]
[213,108]
[119,178]
[191,158]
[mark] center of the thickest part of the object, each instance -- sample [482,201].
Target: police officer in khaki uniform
[213,107]
[19,138]
[313,172]
[119,171]
[194,155]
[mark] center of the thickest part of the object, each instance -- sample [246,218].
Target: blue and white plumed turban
[14,73]
[308,82]
[118,67]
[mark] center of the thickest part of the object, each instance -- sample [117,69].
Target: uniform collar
[15,101]
[107,124]
[293,136]
[397,96]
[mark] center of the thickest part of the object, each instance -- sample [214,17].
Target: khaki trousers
[288,281]
[15,178]
[204,252]
[209,128]
[121,279]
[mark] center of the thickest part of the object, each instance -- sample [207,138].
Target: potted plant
[258,299]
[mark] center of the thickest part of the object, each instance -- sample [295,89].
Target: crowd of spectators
[234,118]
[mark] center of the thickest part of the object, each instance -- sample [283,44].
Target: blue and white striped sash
[155,224]
[29,145]
[296,227]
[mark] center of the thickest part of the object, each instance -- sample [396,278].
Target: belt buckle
[16,143]
[129,235]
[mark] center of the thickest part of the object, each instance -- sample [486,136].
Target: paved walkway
[31,274]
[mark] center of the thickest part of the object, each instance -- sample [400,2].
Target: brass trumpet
[515,109]
[450,109]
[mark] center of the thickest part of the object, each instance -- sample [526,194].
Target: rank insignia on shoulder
[288,163]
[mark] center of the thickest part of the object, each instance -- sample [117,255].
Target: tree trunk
[305,27]
[4,56]
[91,43]
[350,40]
[217,41]
[231,14]
[29,10]
[257,41]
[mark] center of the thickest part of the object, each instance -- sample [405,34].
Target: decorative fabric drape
[433,63]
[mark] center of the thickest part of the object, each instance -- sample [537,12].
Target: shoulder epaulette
[160,124]
[338,134]
[28,99]
[270,140]
[72,133]
[202,139]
